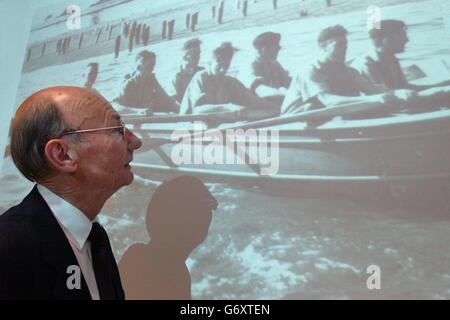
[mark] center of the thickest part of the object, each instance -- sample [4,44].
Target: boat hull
[392,154]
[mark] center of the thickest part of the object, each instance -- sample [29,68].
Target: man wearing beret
[265,76]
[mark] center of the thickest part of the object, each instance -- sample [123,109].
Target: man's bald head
[70,101]
[44,115]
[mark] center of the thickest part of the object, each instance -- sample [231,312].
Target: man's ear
[59,157]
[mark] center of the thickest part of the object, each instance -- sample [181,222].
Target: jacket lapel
[56,250]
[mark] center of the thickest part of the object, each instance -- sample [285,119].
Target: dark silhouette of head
[222,57]
[192,52]
[146,61]
[391,37]
[267,45]
[179,214]
[178,218]
[333,42]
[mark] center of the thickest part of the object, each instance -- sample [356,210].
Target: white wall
[15,24]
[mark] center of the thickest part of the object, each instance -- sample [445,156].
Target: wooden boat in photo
[391,154]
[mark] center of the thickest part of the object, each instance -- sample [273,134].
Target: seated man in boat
[211,90]
[188,69]
[381,66]
[265,76]
[142,89]
[330,82]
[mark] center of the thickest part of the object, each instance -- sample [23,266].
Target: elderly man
[188,69]
[265,76]
[143,90]
[330,82]
[73,145]
[212,87]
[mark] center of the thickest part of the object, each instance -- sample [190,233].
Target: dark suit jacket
[35,255]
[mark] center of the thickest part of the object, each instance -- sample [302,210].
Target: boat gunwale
[290,177]
[311,140]
[368,132]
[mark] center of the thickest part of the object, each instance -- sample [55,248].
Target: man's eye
[119,131]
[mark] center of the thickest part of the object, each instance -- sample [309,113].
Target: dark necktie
[101,262]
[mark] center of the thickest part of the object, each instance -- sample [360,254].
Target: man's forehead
[84,103]
[78,106]
[89,107]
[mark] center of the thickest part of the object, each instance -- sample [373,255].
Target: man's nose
[133,141]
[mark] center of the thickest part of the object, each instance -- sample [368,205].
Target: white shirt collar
[70,217]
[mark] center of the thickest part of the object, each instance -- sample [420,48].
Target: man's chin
[129,179]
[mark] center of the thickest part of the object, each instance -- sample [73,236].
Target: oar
[218,116]
[324,113]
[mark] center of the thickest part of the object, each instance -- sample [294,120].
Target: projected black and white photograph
[283,149]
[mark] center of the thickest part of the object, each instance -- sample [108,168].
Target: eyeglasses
[122,130]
